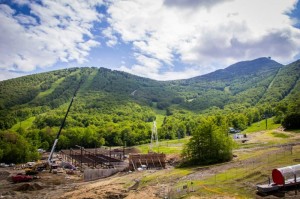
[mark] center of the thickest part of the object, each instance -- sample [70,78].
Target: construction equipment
[36,168]
[61,126]
[21,178]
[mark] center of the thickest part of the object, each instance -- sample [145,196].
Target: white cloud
[206,34]
[197,35]
[194,3]
[150,68]
[146,71]
[146,66]
[184,74]
[55,30]
[112,39]
[26,20]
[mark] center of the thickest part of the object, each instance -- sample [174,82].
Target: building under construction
[150,160]
[96,157]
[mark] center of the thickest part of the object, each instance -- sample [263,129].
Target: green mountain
[249,83]
[112,107]
[242,83]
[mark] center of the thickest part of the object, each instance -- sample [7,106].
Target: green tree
[209,144]
[291,121]
[239,121]
[1,154]
[44,145]
[15,148]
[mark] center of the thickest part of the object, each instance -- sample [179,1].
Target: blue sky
[161,39]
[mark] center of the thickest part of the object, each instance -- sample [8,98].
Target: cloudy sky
[158,39]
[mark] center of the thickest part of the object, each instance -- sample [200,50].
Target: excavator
[36,168]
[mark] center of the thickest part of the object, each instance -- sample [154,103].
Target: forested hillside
[284,82]
[114,108]
[242,83]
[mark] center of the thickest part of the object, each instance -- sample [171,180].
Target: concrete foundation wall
[94,174]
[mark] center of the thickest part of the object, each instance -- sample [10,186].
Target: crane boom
[62,125]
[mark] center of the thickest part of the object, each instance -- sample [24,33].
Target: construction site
[75,166]
[98,163]
[69,166]
[103,158]
[260,172]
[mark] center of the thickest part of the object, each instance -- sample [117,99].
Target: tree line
[131,125]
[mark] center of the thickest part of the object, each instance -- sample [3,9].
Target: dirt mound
[4,175]
[173,159]
[114,195]
[29,187]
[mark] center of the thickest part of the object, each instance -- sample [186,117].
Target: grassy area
[261,126]
[239,181]
[25,124]
[166,146]
[164,176]
[227,89]
[253,154]
[159,119]
[53,87]
[268,138]
[87,83]
[280,135]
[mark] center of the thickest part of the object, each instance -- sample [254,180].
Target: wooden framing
[158,160]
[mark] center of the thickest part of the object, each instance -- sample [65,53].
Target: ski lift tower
[154,137]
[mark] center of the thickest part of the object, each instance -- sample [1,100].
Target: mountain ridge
[103,87]
[242,68]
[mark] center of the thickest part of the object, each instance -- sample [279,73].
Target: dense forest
[115,108]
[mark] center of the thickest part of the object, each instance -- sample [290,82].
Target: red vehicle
[21,178]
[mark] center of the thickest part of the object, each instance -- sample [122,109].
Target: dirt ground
[121,185]
[37,188]
[63,186]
